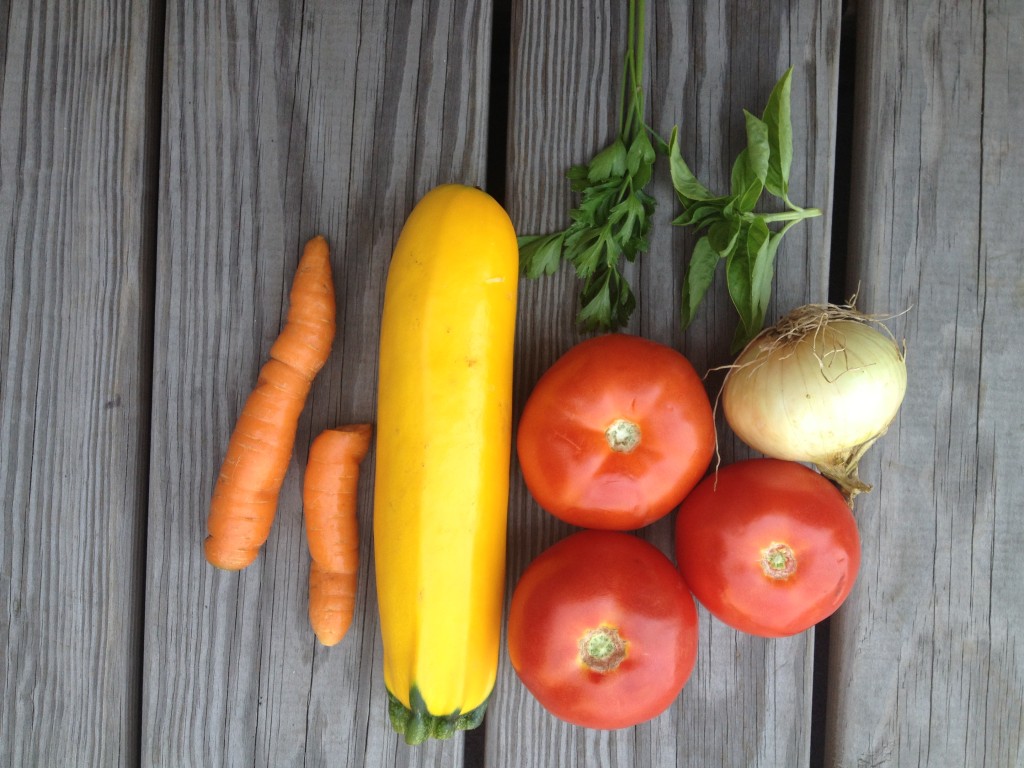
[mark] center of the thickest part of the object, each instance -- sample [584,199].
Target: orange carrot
[332,530]
[245,495]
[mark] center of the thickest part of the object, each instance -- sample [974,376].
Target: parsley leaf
[613,217]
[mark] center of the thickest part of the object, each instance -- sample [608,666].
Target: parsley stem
[613,218]
[625,81]
[637,64]
[631,120]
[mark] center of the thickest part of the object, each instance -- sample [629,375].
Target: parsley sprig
[613,217]
[734,232]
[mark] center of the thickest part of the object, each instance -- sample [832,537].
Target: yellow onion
[819,387]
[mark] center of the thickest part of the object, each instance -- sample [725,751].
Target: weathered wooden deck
[161,164]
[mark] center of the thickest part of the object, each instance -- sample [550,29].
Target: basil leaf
[685,183]
[732,230]
[762,268]
[722,236]
[698,216]
[699,274]
[749,271]
[780,137]
[738,267]
[741,175]
[769,267]
[746,202]
[758,149]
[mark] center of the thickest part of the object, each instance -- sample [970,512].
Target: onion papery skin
[817,389]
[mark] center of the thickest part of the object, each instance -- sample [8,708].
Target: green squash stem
[418,725]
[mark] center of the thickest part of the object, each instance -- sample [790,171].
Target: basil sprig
[733,231]
[614,215]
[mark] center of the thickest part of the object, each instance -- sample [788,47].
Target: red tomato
[615,433]
[769,547]
[602,630]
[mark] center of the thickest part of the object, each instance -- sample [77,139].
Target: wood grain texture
[928,666]
[748,701]
[74,379]
[282,120]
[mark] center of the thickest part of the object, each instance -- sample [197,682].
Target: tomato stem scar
[622,435]
[778,561]
[602,649]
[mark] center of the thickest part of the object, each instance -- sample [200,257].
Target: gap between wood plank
[498,94]
[153,110]
[474,745]
[838,292]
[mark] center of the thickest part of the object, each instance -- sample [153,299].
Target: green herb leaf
[577,176]
[722,236]
[747,202]
[642,177]
[661,146]
[761,269]
[632,221]
[780,137]
[614,215]
[738,267]
[540,254]
[758,150]
[641,152]
[749,269]
[741,175]
[699,274]
[609,162]
[685,183]
[751,166]
[698,216]
[592,257]
[607,301]
[735,232]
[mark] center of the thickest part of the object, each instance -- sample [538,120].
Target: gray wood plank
[75,308]
[927,662]
[282,120]
[748,701]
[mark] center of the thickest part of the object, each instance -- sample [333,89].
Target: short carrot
[332,530]
[245,495]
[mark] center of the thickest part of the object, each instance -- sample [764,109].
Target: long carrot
[332,530]
[245,495]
